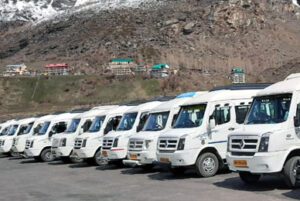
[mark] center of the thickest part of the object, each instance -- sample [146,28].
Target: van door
[222,114]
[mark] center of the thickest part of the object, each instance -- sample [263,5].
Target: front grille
[28,144]
[55,143]
[165,144]
[78,143]
[243,153]
[135,145]
[247,143]
[107,143]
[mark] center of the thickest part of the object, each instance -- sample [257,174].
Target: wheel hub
[209,165]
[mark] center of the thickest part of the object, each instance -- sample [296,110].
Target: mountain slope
[198,35]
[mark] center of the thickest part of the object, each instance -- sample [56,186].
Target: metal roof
[246,86]
[121,60]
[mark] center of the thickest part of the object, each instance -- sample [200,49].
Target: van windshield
[73,126]
[269,109]
[156,121]
[190,116]
[25,129]
[4,131]
[12,130]
[44,128]
[127,121]
[97,124]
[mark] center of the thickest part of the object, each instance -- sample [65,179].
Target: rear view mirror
[212,122]
[297,119]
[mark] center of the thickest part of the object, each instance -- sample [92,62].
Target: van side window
[241,112]
[222,115]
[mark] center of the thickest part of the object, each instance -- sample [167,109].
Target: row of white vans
[251,128]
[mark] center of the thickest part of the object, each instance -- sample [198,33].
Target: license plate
[240,163]
[53,152]
[75,154]
[104,153]
[133,156]
[164,159]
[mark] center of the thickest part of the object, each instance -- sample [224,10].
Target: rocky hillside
[190,35]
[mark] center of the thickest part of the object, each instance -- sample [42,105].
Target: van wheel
[47,156]
[65,159]
[207,165]
[37,159]
[177,170]
[290,171]
[90,161]
[249,178]
[97,160]
[147,167]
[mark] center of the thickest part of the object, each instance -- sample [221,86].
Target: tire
[65,159]
[290,171]
[90,161]
[147,167]
[96,160]
[47,156]
[37,159]
[207,165]
[249,178]
[177,170]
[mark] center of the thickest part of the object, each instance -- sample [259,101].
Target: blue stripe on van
[216,142]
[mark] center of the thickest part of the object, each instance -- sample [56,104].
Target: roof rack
[246,86]
[79,110]
[58,112]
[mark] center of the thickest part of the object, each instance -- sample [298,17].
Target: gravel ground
[24,180]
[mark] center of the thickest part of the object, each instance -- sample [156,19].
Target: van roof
[181,99]
[95,111]
[144,107]
[289,85]
[221,95]
[242,86]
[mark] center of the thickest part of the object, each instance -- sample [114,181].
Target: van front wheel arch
[207,164]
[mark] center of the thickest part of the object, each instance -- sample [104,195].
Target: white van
[7,140]
[269,140]
[5,128]
[25,131]
[62,145]
[39,146]
[115,144]
[199,136]
[143,145]
[88,145]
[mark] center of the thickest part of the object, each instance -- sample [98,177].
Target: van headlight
[3,142]
[181,143]
[31,144]
[116,142]
[63,142]
[264,142]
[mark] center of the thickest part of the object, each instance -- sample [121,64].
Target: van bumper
[177,158]
[268,162]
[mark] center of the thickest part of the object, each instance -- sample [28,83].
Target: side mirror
[51,133]
[297,119]
[212,122]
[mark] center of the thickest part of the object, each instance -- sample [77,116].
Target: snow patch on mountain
[40,10]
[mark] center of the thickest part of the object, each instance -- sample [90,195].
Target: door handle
[231,129]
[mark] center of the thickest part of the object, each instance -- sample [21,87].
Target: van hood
[257,130]
[147,135]
[178,132]
[114,134]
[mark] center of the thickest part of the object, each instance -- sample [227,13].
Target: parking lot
[25,179]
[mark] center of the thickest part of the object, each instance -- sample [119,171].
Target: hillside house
[57,69]
[14,70]
[121,66]
[160,70]
[237,75]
